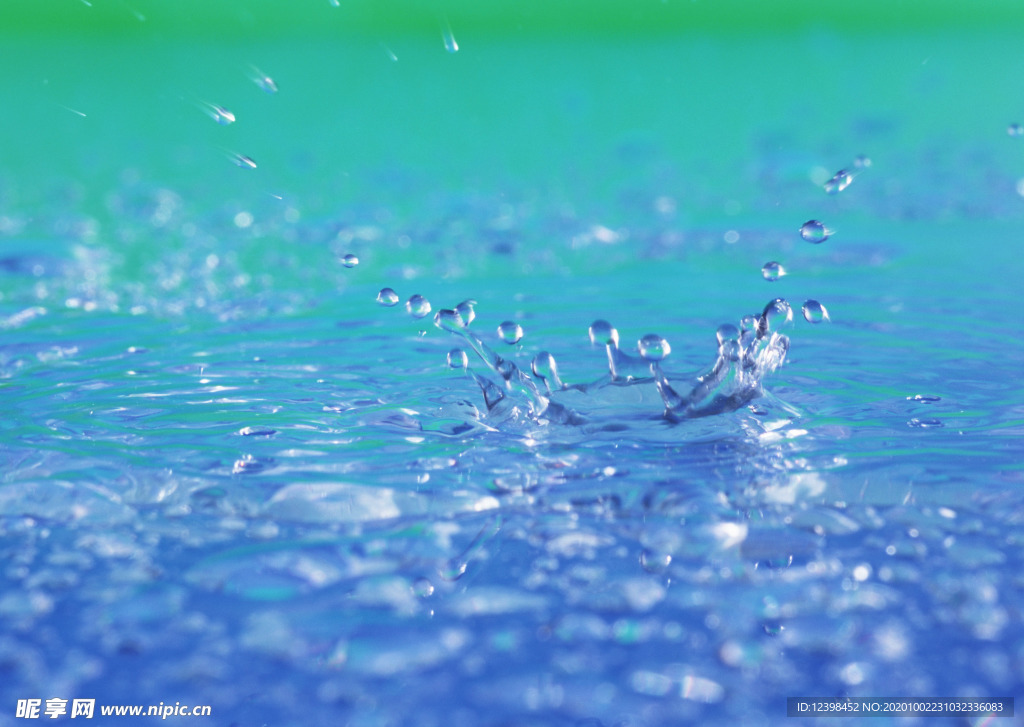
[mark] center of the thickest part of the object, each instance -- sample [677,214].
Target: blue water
[230,478]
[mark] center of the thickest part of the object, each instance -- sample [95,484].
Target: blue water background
[230,478]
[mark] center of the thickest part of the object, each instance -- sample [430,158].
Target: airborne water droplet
[653,347]
[814,231]
[243,161]
[653,561]
[510,332]
[423,587]
[350,261]
[387,297]
[602,333]
[839,182]
[262,80]
[449,320]
[417,306]
[814,312]
[1015,130]
[450,44]
[457,359]
[775,313]
[218,113]
[772,271]
[544,367]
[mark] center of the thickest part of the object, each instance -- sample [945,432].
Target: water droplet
[387,297]
[840,181]
[544,367]
[449,320]
[335,3]
[218,113]
[450,44]
[775,313]
[423,588]
[748,323]
[510,332]
[862,161]
[417,306]
[814,231]
[772,271]
[262,80]
[457,359]
[1015,130]
[466,310]
[814,312]
[654,562]
[350,261]
[243,161]
[653,347]
[602,333]
[726,332]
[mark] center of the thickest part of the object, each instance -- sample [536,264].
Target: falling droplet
[450,44]
[1015,130]
[218,113]
[457,359]
[417,306]
[603,334]
[772,271]
[465,309]
[653,348]
[387,297]
[510,332]
[391,53]
[334,3]
[243,161]
[839,182]
[814,312]
[814,231]
[262,80]
[350,261]
[862,161]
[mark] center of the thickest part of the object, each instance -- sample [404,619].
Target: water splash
[746,354]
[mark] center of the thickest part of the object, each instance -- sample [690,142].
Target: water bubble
[653,347]
[602,333]
[243,161]
[387,297]
[457,359]
[840,181]
[862,161]
[350,261]
[772,271]
[466,310]
[417,306]
[814,231]
[1015,130]
[510,332]
[814,312]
